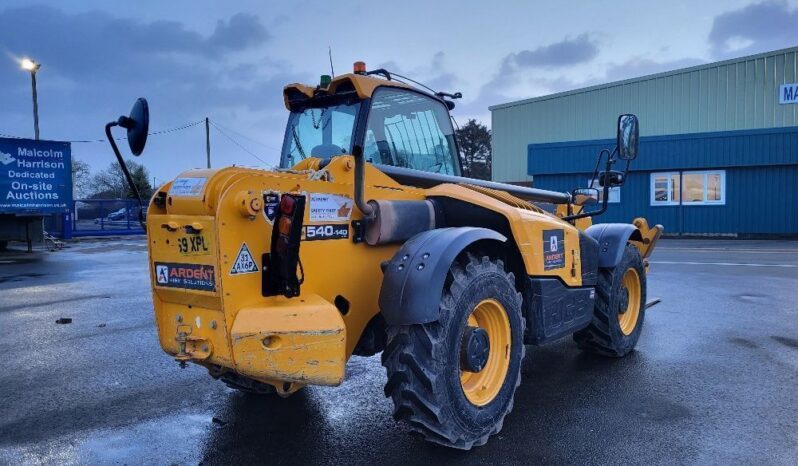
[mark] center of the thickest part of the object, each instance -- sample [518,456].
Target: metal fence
[98,217]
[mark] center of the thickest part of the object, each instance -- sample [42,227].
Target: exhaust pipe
[360,169]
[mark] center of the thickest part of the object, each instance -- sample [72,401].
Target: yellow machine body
[208,237]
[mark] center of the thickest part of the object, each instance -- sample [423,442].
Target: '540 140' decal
[320,232]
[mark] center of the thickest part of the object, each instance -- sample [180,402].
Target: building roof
[642,78]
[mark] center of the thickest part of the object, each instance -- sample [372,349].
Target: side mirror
[585,196]
[628,132]
[137,125]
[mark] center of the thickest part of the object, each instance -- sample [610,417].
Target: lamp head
[29,65]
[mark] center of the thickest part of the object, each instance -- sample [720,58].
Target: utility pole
[208,141]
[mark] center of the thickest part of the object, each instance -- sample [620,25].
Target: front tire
[619,309]
[451,396]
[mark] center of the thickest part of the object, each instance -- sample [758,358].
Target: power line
[238,144]
[154,133]
[244,136]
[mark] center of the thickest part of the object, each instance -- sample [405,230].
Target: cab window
[322,132]
[408,129]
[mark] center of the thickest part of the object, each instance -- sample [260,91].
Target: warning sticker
[271,202]
[330,207]
[187,186]
[186,276]
[244,262]
[553,249]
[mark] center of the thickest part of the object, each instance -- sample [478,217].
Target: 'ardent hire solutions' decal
[271,202]
[330,207]
[553,249]
[185,276]
[244,262]
[319,232]
[187,186]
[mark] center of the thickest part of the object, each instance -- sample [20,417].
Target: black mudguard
[413,280]
[612,238]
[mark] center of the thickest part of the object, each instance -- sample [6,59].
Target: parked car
[121,215]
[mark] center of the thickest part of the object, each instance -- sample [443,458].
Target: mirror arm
[606,188]
[625,172]
[125,171]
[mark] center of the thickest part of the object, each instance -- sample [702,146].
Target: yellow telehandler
[368,239]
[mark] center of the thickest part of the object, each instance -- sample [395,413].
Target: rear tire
[446,405]
[619,309]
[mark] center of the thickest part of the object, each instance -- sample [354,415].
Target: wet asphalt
[714,379]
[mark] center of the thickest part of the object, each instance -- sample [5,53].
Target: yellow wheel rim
[628,318]
[481,387]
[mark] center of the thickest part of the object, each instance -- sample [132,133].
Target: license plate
[193,245]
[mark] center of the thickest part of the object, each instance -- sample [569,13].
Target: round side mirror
[585,196]
[137,125]
[628,137]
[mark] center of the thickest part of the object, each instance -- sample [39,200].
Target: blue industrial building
[718,147]
[733,182]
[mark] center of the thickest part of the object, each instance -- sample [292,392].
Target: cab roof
[363,86]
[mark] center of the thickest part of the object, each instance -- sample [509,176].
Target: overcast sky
[230,60]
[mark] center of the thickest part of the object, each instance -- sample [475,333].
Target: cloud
[433,75]
[94,64]
[754,28]
[93,56]
[641,66]
[567,52]
[528,73]
[81,45]
[240,32]
[509,86]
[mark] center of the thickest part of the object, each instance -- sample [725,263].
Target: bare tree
[81,179]
[111,184]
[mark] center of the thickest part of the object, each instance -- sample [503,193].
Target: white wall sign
[788,93]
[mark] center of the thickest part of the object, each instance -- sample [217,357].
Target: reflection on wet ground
[708,384]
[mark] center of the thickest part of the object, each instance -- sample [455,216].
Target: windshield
[411,130]
[319,132]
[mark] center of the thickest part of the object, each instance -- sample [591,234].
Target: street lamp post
[30,65]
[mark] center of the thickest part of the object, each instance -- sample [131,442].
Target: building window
[615,192]
[688,188]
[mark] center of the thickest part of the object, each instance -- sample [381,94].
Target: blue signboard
[35,176]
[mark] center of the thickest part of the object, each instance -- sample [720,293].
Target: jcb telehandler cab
[368,239]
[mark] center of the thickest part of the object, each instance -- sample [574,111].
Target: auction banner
[35,176]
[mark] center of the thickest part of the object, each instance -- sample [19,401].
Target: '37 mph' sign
[788,94]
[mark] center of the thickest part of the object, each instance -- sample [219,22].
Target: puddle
[176,439]
[752,298]
[20,277]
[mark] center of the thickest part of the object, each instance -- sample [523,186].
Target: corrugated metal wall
[777,146]
[761,179]
[769,209]
[731,95]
